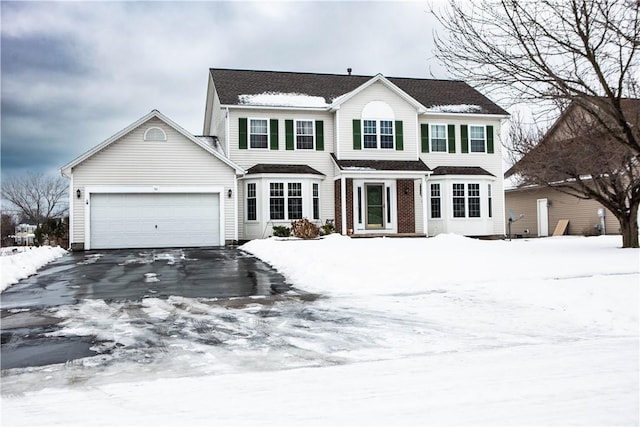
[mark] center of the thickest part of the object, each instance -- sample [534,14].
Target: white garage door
[154,220]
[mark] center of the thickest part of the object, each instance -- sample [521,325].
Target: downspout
[71,210]
[343,204]
[337,136]
[227,133]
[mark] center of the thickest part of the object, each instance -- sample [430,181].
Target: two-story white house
[375,155]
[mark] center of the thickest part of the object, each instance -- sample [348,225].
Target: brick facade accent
[406,206]
[338,205]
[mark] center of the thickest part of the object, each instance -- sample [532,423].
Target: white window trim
[483,214]
[249,147]
[390,226]
[246,202]
[295,134]
[484,133]
[379,134]
[153,128]
[446,137]
[431,197]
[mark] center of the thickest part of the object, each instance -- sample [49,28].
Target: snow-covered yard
[446,330]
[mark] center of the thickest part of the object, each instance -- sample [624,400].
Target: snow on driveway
[444,331]
[18,263]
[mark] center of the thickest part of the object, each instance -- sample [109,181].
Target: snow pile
[457,108]
[283,100]
[25,262]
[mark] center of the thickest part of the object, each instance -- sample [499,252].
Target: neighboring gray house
[376,155]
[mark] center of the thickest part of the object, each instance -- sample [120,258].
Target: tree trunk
[629,228]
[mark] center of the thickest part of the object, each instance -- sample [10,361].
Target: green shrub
[327,229]
[281,231]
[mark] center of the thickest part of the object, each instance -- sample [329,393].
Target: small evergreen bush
[281,231]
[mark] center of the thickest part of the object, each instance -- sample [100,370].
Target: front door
[375,205]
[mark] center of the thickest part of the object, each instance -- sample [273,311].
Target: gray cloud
[75,73]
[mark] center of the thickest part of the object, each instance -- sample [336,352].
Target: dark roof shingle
[231,84]
[382,165]
[282,169]
[460,170]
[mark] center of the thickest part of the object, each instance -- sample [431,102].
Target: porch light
[78,193]
[229,193]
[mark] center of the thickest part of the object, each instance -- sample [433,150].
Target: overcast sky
[75,73]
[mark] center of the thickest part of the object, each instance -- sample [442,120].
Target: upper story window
[439,138]
[155,134]
[378,133]
[258,133]
[477,139]
[304,135]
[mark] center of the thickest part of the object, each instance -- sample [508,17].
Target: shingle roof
[231,84]
[460,170]
[382,165]
[282,169]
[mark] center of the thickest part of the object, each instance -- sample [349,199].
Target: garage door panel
[154,220]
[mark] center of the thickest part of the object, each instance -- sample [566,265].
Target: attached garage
[154,220]
[153,185]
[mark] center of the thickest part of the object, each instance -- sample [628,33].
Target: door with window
[374,196]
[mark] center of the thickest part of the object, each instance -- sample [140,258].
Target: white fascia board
[387,174]
[283,176]
[465,115]
[463,177]
[275,107]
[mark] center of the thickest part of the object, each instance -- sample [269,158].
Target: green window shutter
[273,125]
[288,132]
[399,136]
[490,139]
[424,137]
[464,136]
[451,134]
[357,135]
[319,135]
[242,133]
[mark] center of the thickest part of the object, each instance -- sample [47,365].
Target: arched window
[378,125]
[155,134]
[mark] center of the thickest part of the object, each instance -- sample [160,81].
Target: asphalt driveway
[127,276]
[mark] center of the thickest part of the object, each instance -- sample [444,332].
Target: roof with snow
[277,88]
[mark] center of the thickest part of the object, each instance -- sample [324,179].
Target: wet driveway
[30,309]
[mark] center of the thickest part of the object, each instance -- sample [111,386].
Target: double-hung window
[378,133]
[474,200]
[477,139]
[294,200]
[436,207]
[276,200]
[316,201]
[459,201]
[438,138]
[252,206]
[490,201]
[304,135]
[258,133]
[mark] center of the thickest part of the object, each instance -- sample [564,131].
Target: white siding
[492,163]
[319,160]
[352,109]
[131,161]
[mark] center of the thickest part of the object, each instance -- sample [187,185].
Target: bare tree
[36,197]
[579,157]
[582,52]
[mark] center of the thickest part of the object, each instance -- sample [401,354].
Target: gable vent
[155,134]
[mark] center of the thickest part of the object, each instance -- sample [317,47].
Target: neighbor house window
[378,133]
[304,134]
[436,206]
[276,200]
[294,200]
[316,201]
[477,139]
[258,133]
[490,201]
[252,206]
[459,204]
[438,138]
[474,200]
